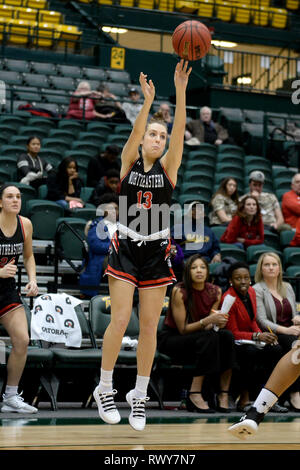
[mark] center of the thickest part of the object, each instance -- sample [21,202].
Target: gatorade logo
[49,319]
[69,323]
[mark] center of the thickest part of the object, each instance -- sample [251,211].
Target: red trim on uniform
[156,281]
[128,170]
[169,179]
[120,273]
[167,283]
[8,308]
[22,227]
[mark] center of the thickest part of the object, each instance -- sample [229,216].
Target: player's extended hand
[31,289]
[148,88]
[182,73]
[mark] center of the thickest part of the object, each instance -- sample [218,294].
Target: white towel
[54,319]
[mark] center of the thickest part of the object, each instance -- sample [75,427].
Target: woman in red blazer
[242,323]
[246,227]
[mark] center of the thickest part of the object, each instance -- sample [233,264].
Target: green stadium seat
[62,134]
[51,155]
[232,119]
[43,215]
[219,230]
[282,172]
[248,168]
[7,131]
[86,193]
[98,126]
[11,150]
[71,71]
[254,252]
[94,137]
[120,76]
[117,139]
[55,96]
[252,269]
[41,122]
[123,129]
[19,140]
[202,150]
[12,121]
[225,158]
[291,256]
[227,167]
[59,145]
[197,196]
[89,147]
[40,81]
[82,158]
[87,213]
[42,191]
[199,166]
[14,65]
[118,89]
[43,68]
[282,183]
[231,150]
[11,78]
[29,131]
[272,239]
[259,161]
[194,188]
[253,116]
[228,174]
[293,271]
[231,250]
[62,83]
[71,125]
[71,247]
[27,193]
[197,176]
[286,237]
[4,176]
[29,94]
[94,74]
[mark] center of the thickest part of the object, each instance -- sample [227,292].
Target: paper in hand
[228,303]
[226,306]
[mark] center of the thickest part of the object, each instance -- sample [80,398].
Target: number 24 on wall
[147,196]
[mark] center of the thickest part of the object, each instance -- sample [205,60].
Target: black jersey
[148,198]
[11,248]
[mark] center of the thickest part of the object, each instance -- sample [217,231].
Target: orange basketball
[191,40]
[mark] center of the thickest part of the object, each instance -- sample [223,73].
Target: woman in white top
[224,202]
[277,310]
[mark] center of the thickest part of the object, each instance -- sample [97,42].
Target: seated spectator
[82,104]
[246,228]
[98,167]
[206,131]
[30,166]
[64,186]
[108,107]
[296,240]
[189,337]
[270,207]
[165,112]
[290,203]
[99,235]
[201,239]
[277,310]
[107,184]
[224,203]
[133,107]
[242,323]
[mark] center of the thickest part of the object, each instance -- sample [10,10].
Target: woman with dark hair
[246,227]
[64,186]
[189,335]
[30,166]
[15,240]
[224,202]
[254,348]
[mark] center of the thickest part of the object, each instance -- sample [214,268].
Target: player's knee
[120,324]
[20,343]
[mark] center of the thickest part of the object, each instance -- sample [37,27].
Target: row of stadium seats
[243,13]
[72,71]
[31,14]
[39,4]
[24,32]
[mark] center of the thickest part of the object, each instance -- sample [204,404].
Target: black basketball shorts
[9,300]
[143,264]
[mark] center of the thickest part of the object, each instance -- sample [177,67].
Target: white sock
[11,390]
[141,386]
[265,400]
[106,384]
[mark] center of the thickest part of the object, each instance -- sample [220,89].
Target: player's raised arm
[172,159]
[130,150]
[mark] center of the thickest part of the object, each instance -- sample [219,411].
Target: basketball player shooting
[142,259]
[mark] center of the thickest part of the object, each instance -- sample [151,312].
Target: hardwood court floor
[197,434]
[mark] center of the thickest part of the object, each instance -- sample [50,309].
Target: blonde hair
[281,286]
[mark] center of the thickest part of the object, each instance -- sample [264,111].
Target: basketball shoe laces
[107,401]
[138,407]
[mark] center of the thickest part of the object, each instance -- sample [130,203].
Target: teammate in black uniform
[15,239]
[140,251]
